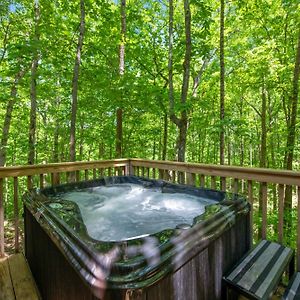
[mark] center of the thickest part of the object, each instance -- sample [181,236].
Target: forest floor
[10,236]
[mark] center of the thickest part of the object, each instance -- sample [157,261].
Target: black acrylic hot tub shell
[57,253]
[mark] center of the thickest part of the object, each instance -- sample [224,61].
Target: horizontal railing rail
[267,184]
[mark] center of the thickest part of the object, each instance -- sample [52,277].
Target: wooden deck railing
[230,178]
[50,174]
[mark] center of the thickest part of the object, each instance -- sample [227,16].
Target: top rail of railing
[30,170]
[246,173]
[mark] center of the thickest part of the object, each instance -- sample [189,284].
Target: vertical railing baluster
[1,219]
[166,175]
[213,182]
[16,214]
[191,179]
[143,171]
[243,186]
[86,175]
[68,177]
[161,173]
[202,181]
[235,185]
[223,184]
[55,178]
[29,182]
[264,210]
[280,212]
[101,173]
[41,181]
[94,174]
[153,173]
[173,176]
[250,199]
[77,175]
[129,169]
[148,172]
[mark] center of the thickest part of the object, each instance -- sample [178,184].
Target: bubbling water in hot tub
[127,211]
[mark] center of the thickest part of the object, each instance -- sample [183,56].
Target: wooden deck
[16,281]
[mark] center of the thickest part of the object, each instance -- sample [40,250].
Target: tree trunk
[75,82]
[55,143]
[263,149]
[33,97]
[8,116]
[222,86]
[263,142]
[182,122]
[165,137]
[119,129]
[81,140]
[290,143]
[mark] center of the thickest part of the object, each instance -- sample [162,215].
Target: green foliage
[260,40]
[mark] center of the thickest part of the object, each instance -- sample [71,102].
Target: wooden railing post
[16,214]
[1,219]
[298,228]
[250,199]
[129,168]
[264,211]
[190,179]
[280,212]
[55,178]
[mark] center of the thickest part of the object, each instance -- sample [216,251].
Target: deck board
[6,287]
[16,281]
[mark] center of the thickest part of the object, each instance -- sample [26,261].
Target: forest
[188,80]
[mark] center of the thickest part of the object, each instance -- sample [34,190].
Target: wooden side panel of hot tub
[199,279]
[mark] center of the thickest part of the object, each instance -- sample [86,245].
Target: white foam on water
[125,211]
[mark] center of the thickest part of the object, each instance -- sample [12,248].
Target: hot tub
[133,238]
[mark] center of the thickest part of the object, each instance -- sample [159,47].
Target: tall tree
[119,129]
[222,86]
[8,115]
[182,122]
[33,83]
[75,82]
[291,130]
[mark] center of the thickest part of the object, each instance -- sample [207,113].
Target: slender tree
[75,82]
[8,116]
[182,122]
[33,83]
[119,129]
[222,86]
[291,130]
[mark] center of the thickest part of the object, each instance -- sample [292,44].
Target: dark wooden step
[257,275]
